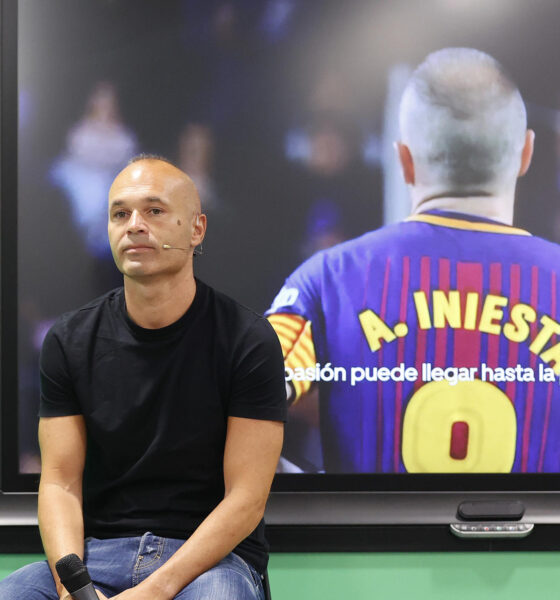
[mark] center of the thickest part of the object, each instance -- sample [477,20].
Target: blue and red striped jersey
[437,345]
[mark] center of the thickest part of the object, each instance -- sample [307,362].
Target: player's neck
[159,301]
[495,207]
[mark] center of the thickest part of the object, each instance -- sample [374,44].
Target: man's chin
[135,271]
[139,273]
[144,272]
[139,270]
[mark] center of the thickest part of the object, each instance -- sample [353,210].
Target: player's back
[443,329]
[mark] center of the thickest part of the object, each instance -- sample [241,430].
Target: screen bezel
[14,481]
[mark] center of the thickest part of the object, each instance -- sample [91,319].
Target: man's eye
[119,215]
[157,211]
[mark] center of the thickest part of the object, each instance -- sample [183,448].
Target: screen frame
[299,485]
[11,478]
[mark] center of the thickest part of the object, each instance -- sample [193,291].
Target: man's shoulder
[239,318]
[71,322]
[546,245]
[225,303]
[365,241]
[356,248]
[373,249]
[412,235]
[540,252]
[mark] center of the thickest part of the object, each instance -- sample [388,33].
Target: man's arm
[251,454]
[63,449]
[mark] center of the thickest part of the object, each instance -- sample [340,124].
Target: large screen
[284,113]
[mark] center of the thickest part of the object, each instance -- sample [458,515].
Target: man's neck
[495,207]
[158,302]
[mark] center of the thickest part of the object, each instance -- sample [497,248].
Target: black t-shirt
[156,403]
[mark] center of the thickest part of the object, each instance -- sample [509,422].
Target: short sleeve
[301,293]
[58,396]
[258,388]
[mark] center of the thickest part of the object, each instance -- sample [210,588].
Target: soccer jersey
[436,346]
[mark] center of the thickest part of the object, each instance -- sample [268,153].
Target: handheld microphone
[75,578]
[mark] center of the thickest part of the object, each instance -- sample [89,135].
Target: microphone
[75,578]
[197,251]
[168,247]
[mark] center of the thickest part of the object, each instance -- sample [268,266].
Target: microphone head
[168,247]
[72,572]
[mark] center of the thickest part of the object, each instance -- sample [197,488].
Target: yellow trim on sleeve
[293,323]
[296,339]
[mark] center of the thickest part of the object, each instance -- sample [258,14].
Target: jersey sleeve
[292,314]
[258,387]
[298,349]
[58,396]
[301,292]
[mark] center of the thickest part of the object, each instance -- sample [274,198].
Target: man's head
[153,204]
[463,126]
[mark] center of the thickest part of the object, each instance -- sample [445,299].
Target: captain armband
[296,340]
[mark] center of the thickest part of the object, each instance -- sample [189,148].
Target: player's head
[153,204]
[464,124]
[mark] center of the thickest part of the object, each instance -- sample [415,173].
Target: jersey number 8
[469,427]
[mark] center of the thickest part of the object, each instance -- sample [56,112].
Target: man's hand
[143,591]
[136,594]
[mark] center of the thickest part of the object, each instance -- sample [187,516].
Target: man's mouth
[138,249]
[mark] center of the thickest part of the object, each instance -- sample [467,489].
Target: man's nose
[136,223]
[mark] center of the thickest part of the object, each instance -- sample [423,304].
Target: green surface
[449,576]
[357,576]
[11,562]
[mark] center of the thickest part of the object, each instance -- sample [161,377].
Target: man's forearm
[226,526]
[61,524]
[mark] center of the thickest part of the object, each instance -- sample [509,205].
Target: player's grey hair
[463,120]
[149,156]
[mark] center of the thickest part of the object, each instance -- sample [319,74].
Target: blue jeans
[120,563]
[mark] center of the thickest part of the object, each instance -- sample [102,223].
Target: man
[433,342]
[162,412]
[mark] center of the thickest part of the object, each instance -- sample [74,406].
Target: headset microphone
[168,247]
[197,251]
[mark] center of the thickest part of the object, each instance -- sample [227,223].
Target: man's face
[152,204]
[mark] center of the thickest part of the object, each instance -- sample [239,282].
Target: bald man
[432,342]
[162,409]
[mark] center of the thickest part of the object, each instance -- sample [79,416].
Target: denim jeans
[120,563]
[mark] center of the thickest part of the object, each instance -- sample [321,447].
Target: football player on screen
[434,342]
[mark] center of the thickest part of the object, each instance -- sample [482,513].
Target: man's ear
[199,229]
[407,164]
[527,152]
